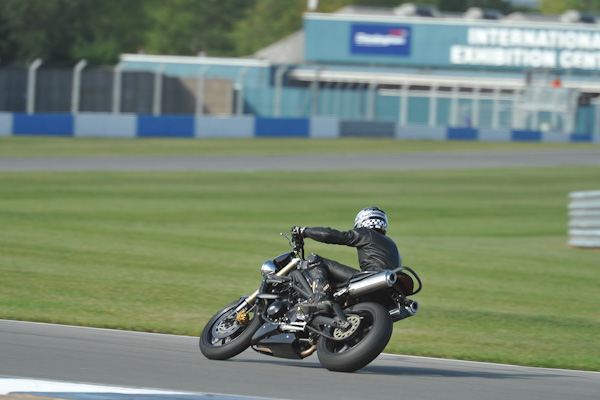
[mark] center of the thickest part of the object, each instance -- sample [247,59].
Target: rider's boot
[321,300]
[321,290]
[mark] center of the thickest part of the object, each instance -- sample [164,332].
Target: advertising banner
[380,39]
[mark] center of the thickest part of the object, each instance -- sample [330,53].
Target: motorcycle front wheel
[354,348]
[228,332]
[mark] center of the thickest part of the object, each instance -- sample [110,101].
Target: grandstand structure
[409,71]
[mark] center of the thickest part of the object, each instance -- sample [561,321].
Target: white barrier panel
[324,127]
[556,137]
[421,132]
[6,124]
[584,219]
[495,135]
[224,127]
[105,125]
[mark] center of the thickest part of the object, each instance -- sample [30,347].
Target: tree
[63,31]
[108,28]
[267,22]
[560,6]
[35,28]
[461,6]
[188,27]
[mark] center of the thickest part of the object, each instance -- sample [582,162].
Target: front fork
[249,300]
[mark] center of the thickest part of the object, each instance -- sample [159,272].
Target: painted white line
[21,385]
[91,328]
[10,385]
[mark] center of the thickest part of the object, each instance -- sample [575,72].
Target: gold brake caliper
[242,318]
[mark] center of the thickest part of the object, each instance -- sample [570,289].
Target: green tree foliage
[267,22]
[333,5]
[107,28]
[462,5]
[62,31]
[29,29]
[188,27]
[560,6]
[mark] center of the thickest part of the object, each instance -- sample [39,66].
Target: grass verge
[162,252]
[82,147]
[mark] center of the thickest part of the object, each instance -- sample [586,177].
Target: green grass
[162,252]
[69,147]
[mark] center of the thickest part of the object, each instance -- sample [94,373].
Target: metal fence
[42,89]
[56,90]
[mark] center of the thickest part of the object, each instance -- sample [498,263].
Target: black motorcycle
[346,336]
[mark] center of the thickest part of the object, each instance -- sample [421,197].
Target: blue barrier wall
[182,126]
[462,134]
[188,126]
[43,124]
[281,127]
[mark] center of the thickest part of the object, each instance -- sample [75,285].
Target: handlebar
[297,243]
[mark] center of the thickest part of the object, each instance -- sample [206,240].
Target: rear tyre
[228,333]
[359,345]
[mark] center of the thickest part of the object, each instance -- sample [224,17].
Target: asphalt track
[400,161]
[134,359]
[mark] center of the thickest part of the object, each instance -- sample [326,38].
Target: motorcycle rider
[376,252]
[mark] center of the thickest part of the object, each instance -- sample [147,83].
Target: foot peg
[312,307]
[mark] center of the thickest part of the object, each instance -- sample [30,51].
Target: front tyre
[228,333]
[357,346]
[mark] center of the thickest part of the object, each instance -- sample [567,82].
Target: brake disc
[225,326]
[343,334]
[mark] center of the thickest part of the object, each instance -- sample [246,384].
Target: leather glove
[297,233]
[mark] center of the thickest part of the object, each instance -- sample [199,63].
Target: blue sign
[380,39]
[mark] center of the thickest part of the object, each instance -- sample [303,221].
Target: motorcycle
[346,336]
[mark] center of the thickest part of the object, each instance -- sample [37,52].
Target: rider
[376,252]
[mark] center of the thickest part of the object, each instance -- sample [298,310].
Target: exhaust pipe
[410,308]
[374,282]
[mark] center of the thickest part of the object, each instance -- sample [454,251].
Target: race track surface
[166,362]
[408,161]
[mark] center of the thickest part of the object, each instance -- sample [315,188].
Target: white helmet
[371,217]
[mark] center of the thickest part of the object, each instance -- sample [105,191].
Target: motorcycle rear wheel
[227,333]
[361,344]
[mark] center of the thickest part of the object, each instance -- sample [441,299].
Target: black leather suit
[375,252]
